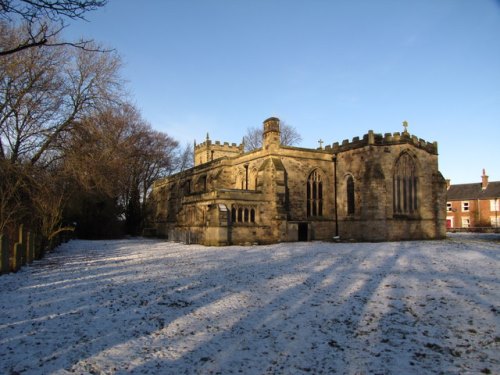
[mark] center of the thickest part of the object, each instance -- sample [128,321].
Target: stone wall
[20,247]
[273,182]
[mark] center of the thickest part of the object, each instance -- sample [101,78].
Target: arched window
[240,215]
[246,215]
[350,195]
[252,215]
[233,214]
[314,195]
[405,186]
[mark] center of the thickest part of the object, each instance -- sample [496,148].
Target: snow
[144,306]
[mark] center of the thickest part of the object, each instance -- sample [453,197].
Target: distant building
[474,205]
[375,188]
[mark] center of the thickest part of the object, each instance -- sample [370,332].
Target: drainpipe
[246,176]
[479,211]
[335,197]
[496,213]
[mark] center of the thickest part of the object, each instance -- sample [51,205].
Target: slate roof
[474,191]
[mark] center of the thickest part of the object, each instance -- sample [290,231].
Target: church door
[303,232]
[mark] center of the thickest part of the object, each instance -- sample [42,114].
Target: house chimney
[484,180]
[448,184]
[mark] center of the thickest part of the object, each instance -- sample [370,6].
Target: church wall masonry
[374,188]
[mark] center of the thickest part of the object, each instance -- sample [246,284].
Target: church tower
[271,137]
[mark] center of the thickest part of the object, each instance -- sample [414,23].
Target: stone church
[375,188]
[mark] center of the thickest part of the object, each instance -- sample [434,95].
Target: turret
[271,134]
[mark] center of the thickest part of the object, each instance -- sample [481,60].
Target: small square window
[494,205]
[465,206]
[465,222]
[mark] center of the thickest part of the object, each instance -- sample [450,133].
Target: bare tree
[152,155]
[253,138]
[50,191]
[116,154]
[289,136]
[44,92]
[36,16]
[184,158]
[14,185]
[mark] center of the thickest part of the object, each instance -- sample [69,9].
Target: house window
[494,205]
[252,215]
[314,195]
[449,208]
[465,222]
[350,195]
[405,186]
[465,206]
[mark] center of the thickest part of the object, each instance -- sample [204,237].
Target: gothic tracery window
[405,186]
[314,194]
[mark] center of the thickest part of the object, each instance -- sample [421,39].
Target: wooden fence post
[37,247]
[4,254]
[18,259]
[28,247]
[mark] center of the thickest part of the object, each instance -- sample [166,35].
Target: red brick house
[475,205]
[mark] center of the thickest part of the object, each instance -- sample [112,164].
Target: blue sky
[332,69]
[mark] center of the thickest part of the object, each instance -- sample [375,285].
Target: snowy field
[151,307]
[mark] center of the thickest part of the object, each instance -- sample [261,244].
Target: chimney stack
[484,180]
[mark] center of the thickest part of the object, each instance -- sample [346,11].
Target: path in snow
[145,306]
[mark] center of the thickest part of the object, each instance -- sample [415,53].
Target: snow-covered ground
[146,306]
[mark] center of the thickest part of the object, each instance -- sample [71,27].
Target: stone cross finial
[405,125]
[320,144]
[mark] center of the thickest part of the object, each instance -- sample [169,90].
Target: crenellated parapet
[224,146]
[210,150]
[387,139]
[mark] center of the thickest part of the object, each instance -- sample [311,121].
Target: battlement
[218,145]
[387,139]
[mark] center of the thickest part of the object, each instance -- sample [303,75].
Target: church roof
[474,191]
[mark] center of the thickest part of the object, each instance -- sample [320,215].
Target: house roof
[474,191]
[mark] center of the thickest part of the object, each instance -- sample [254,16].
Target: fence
[475,230]
[22,248]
